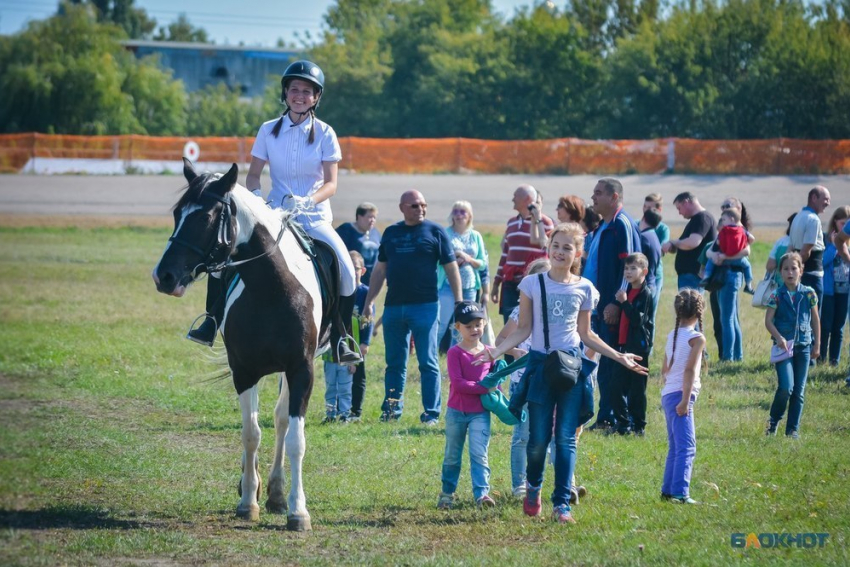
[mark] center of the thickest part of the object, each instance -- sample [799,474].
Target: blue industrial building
[246,69]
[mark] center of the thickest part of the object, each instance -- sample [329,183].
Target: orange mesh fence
[530,156]
[375,155]
[80,147]
[171,148]
[463,155]
[757,157]
[618,156]
[15,151]
[814,156]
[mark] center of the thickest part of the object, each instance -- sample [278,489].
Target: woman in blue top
[471,257]
[836,289]
[303,155]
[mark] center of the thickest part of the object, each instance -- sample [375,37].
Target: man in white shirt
[806,237]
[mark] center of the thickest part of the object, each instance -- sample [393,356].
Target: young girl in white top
[570,299]
[680,373]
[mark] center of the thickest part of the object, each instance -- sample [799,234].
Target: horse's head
[204,230]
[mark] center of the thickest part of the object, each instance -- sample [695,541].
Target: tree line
[627,69]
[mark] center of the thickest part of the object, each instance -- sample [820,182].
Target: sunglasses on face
[459,212]
[418,205]
[725,206]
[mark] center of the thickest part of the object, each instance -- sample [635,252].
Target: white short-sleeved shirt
[564,302]
[676,373]
[806,228]
[296,165]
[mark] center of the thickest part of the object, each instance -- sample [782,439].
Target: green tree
[133,20]
[216,110]
[553,91]
[357,63]
[158,100]
[69,74]
[182,30]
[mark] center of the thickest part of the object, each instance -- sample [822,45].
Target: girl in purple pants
[682,362]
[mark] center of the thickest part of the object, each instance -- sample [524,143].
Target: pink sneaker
[562,515]
[486,502]
[532,505]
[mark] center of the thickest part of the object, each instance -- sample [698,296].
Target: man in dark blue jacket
[615,239]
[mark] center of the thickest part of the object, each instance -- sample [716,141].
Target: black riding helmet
[304,70]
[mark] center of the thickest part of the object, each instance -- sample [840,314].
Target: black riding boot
[205,333]
[342,350]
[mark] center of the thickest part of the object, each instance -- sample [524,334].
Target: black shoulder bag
[560,369]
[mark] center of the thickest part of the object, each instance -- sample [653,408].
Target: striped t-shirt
[517,251]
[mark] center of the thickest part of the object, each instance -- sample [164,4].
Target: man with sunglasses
[407,259]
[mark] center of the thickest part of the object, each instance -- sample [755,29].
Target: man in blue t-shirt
[362,236]
[407,259]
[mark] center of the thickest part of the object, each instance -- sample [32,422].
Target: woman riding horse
[302,155]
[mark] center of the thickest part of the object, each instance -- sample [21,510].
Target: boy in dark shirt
[637,325]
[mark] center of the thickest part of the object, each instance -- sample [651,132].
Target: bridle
[216,257]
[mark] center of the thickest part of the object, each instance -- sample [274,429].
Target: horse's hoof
[298,524]
[276,506]
[250,513]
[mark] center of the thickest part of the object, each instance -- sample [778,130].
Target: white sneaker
[519,491]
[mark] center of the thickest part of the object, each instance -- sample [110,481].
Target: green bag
[495,401]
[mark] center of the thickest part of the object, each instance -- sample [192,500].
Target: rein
[222,242]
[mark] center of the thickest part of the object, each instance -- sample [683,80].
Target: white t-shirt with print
[564,302]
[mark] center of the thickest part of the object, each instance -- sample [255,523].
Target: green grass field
[119,445]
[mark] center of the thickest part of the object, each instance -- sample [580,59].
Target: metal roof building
[246,69]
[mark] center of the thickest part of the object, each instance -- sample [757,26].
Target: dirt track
[109,200]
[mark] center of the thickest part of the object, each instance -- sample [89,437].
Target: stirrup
[343,343]
[192,329]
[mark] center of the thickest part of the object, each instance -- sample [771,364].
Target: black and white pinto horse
[274,320]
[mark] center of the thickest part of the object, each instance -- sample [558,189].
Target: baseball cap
[467,311]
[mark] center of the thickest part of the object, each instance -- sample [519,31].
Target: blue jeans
[400,321]
[605,372]
[458,425]
[791,375]
[509,299]
[832,320]
[743,263]
[447,308]
[519,446]
[338,381]
[816,283]
[682,447]
[656,295]
[690,281]
[733,345]
[564,408]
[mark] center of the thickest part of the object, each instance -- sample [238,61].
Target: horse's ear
[229,178]
[189,170]
[226,182]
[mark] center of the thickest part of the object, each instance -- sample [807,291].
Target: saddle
[326,265]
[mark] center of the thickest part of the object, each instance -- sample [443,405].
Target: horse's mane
[193,191]
[272,218]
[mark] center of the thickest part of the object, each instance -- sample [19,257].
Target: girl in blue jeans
[570,300]
[793,321]
[680,374]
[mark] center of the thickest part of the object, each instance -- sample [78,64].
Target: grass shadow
[76,517]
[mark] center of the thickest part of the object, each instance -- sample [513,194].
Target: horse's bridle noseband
[216,257]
